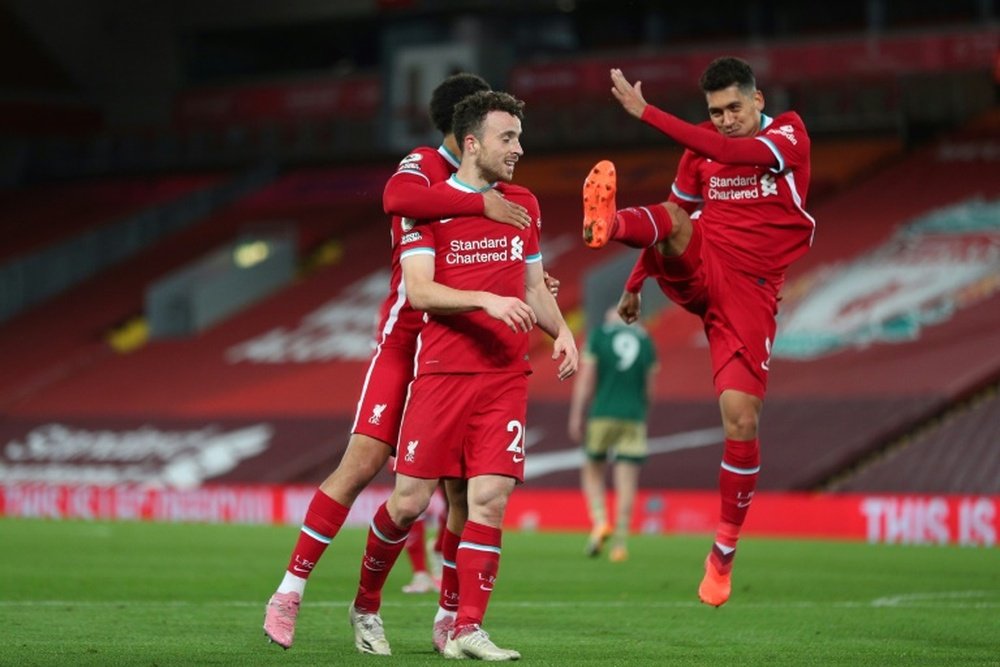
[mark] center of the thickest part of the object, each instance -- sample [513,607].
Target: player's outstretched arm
[701,140]
[628,95]
[412,196]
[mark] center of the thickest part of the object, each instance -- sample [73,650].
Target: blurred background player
[719,247]
[607,413]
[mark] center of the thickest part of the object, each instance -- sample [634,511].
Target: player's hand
[629,306]
[510,310]
[552,284]
[565,347]
[629,96]
[499,208]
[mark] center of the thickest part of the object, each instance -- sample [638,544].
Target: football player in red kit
[482,286]
[413,192]
[719,247]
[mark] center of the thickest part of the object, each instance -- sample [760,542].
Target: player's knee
[404,509]
[678,217]
[488,511]
[347,482]
[741,423]
[742,427]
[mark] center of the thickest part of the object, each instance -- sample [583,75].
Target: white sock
[444,613]
[292,584]
[724,549]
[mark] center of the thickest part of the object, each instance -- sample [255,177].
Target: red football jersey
[399,323]
[754,216]
[475,253]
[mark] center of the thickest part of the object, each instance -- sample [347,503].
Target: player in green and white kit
[614,379]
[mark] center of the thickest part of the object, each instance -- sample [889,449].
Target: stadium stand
[62,235]
[296,360]
[115,295]
[34,217]
[956,453]
[276,382]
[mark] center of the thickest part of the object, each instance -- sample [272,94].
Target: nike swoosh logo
[484,588]
[518,459]
[742,505]
[296,568]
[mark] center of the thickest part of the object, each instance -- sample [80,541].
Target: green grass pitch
[78,593]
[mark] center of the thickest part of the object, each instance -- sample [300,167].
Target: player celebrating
[483,288]
[719,247]
[411,192]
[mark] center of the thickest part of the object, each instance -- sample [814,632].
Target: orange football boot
[715,586]
[599,204]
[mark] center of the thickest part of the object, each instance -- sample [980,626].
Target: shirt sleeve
[533,246]
[686,188]
[417,241]
[709,143]
[410,195]
[788,141]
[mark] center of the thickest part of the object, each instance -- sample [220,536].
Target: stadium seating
[34,217]
[957,454]
[295,361]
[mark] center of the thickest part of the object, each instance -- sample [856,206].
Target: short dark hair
[727,71]
[449,93]
[470,113]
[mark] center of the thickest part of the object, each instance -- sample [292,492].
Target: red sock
[737,482]
[477,562]
[323,520]
[642,226]
[385,542]
[449,575]
[415,546]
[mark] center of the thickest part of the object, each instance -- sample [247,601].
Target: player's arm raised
[425,294]
[709,143]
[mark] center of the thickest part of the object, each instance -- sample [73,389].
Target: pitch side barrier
[966,520]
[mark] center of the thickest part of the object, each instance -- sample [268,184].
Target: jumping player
[719,247]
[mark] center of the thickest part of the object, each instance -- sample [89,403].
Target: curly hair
[728,71]
[470,113]
[449,93]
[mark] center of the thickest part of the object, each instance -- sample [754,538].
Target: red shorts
[738,311]
[464,425]
[383,395]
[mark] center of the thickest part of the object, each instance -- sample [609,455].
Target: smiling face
[735,111]
[498,148]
